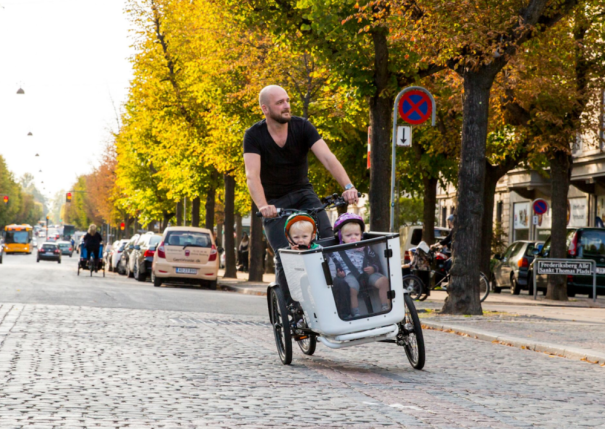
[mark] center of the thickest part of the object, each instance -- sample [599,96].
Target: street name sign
[566,267]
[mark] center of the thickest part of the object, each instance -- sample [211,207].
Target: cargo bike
[87,262]
[319,310]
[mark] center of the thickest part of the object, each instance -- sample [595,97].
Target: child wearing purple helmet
[357,265]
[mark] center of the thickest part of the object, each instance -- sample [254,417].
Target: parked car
[115,253]
[141,258]
[186,255]
[411,236]
[128,248]
[582,243]
[49,252]
[77,239]
[512,268]
[65,247]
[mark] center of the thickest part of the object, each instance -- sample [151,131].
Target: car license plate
[600,270]
[186,271]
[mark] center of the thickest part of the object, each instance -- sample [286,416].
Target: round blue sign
[540,206]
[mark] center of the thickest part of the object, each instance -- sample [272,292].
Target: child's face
[301,233]
[351,233]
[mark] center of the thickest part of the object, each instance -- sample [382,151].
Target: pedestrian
[243,252]
[275,155]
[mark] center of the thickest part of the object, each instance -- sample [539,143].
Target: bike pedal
[300,337]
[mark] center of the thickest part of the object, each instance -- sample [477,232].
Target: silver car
[513,266]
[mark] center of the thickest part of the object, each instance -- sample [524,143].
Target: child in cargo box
[359,265]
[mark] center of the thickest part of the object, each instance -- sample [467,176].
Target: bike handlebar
[334,199]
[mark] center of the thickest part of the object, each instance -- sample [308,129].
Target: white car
[113,258]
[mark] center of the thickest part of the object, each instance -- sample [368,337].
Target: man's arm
[252,162]
[333,165]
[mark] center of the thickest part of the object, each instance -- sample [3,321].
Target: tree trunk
[166,219]
[179,213]
[255,266]
[238,229]
[560,170]
[219,235]
[210,202]
[381,108]
[463,288]
[195,212]
[428,215]
[230,268]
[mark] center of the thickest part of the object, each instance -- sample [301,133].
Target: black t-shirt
[92,240]
[283,169]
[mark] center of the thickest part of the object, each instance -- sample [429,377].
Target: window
[499,209]
[416,236]
[188,238]
[444,216]
[592,243]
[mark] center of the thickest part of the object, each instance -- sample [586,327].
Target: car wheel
[127,272]
[495,287]
[571,291]
[110,266]
[137,273]
[211,284]
[38,260]
[59,261]
[515,289]
[157,282]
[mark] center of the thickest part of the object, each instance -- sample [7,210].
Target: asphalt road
[22,280]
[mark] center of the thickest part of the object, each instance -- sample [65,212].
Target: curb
[241,289]
[568,352]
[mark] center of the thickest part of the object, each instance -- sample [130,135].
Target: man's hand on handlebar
[268,211]
[351,196]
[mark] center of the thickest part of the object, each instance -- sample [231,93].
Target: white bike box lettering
[308,284]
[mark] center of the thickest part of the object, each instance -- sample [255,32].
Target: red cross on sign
[415,107]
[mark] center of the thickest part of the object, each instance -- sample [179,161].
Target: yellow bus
[18,239]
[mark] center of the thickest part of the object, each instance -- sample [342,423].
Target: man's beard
[279,118]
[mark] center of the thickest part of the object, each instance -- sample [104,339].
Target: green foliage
[22,207]
[410,211]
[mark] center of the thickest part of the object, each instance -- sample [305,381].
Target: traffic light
[68,197]
[5,199]
[122,226]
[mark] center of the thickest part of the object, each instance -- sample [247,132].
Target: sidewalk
[574,329]
[242,285]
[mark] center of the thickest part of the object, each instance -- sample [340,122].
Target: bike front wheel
[414,286]
[483,286]
[410,335]
[281,325]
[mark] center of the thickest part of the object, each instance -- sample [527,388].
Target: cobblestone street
[67,366]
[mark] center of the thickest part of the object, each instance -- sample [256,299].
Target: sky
[71,57]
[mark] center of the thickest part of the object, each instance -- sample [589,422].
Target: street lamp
[30,134]
[20,91]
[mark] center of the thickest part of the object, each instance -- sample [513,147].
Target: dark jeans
[274,228]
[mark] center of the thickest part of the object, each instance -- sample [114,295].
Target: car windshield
[64,245]
[188,238]
[49,247]
[156,239]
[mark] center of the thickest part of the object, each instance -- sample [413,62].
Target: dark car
[513,267]
[65,247]
[141,258]
[49,252]
[123,266]
[582,243]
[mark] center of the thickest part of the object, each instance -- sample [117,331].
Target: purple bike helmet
[345,218]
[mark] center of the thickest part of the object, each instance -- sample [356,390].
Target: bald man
[275,154]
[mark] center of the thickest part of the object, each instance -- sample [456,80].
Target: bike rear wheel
[410,333]
[281,325]
[483,286]
[414,286]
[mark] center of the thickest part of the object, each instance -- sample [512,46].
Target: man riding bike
[275,154]
[92,243]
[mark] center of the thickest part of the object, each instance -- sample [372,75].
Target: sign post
[415,105]
[566,267]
